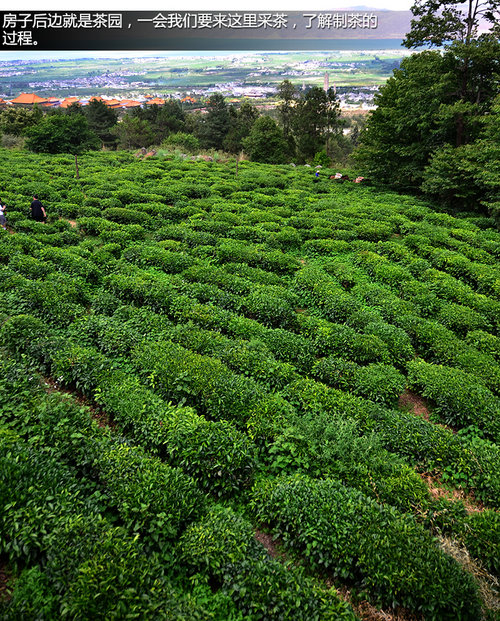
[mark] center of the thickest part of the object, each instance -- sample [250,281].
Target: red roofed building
[28,99]
[65,103]
[52,102]
[130,103]
[156,102]
[112,103]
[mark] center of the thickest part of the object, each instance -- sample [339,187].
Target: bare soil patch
[368,612]
[414,403]
[273,546]
[438,491]
[97,414]
[5,579]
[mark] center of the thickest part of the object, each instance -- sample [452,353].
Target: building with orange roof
[28,99]
[3,103]
[155,102]
[112,103]
[65,103]
[52,102]
[188,100]
[129,103]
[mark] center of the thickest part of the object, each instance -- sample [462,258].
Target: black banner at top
[197,30]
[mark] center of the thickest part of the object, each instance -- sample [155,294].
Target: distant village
[27,100]
[355,99]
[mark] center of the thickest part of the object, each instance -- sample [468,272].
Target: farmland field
[172,73]
[243,394]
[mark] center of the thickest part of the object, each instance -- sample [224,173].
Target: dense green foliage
[428,130]
[61,134]
[236,347]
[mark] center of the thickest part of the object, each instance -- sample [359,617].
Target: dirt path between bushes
[414,403]
[5,578]
[97,414]
[364,610]
[418,406]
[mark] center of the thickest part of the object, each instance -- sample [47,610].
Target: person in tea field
[3,221]
[38,212]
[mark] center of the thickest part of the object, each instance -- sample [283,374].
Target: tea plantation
[201,387]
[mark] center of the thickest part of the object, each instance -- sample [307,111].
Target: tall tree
[288,97]
[469,175]
[101,119]
[240,124]
[62,134]
[315,120]
[404,129]
[427,105]
[164,120]
[266,142]
[16,120]
[441,21]
[215,124]
[133,132]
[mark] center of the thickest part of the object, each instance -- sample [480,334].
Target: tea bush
[195,311]
[459,400]
[377,382]
[350,535]
[218,456]
[224,544]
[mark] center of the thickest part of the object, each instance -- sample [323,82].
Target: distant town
[124,83]
[361,100]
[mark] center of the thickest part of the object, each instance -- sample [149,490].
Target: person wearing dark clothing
[3,222]
[38,210]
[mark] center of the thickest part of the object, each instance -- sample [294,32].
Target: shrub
[127,216]
[481,535]
[188,142]
[437,344]
[342,531]
[271,307]
[396,339]
[30,267]
[170,262]
[96,225]
[459,400]
[218,456]
[83,367]
[485,342]
[200,381]
[377,382]
[461,319]
[33,596]
[153,498]
[325,445]
[224,545]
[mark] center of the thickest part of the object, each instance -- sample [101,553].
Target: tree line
[436,128]
[305,125]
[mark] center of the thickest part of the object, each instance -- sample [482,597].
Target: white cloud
[197,5]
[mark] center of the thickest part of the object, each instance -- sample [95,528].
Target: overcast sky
[197,5]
